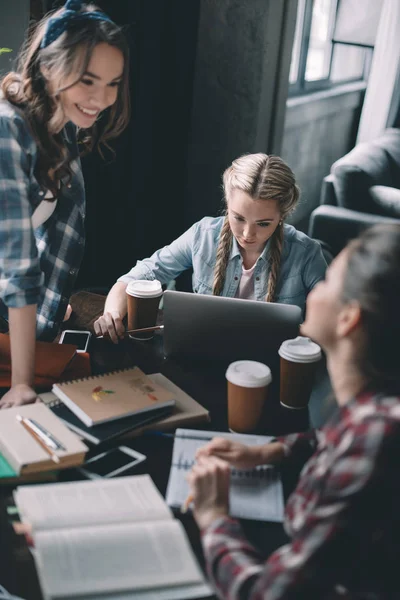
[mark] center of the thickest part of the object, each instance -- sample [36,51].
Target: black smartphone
[77,338]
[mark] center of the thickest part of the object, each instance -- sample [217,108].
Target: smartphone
[111,463]
[77,338]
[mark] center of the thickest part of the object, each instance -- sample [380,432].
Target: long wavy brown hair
[262,177]
[68,56]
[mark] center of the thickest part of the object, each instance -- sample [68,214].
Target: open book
[254,494]
[115,538]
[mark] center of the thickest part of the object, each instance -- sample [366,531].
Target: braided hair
[262,177]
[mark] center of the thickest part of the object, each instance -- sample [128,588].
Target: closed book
[24,453]
[106,432]
[9,477]
[112,396]
[185,412]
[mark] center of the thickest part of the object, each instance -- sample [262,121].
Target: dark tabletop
[206,383]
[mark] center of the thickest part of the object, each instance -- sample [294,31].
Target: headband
[58,25]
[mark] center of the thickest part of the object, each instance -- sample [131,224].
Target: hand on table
[18,395]
[209,489]
[110,325]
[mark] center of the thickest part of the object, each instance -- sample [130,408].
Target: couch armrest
[328,195]
[335,226]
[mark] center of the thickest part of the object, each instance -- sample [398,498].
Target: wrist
[272,453]
[206,518]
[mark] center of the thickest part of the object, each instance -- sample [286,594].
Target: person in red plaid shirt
[343,519]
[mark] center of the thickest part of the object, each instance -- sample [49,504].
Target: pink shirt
[246,285]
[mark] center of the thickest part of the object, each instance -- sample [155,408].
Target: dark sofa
[363,188]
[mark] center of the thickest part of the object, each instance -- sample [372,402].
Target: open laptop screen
[215,327]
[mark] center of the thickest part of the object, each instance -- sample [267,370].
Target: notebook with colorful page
[112,396]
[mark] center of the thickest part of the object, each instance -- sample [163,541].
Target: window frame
[301,85]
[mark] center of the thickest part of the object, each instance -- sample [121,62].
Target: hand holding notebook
[254,493]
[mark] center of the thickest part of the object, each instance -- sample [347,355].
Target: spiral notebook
[112,396]
[254,494]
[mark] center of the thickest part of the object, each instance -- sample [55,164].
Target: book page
[254,494]
[113,558]
[118,500]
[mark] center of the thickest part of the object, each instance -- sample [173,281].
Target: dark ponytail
[373,280]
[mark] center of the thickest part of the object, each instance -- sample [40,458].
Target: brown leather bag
[53,362]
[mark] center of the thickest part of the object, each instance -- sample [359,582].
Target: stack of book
[122,404]
[24,453]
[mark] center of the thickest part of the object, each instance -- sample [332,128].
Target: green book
[9,477]
[6,470]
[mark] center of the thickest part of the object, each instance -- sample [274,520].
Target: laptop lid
[227,329]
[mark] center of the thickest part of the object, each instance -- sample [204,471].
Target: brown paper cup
[143,299]
[296,383]
[299,360]
[248,383]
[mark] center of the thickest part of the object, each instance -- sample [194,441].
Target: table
[204,382]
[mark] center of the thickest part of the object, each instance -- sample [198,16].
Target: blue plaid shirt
[37,266]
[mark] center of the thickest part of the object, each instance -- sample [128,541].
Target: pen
[186,504]
[27,425]
[142,330]
[45,435]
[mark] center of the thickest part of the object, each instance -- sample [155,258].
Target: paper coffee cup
[298,363]
[143,298]
[248,383]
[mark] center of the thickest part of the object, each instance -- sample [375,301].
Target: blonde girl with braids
[248,253]
[72,80]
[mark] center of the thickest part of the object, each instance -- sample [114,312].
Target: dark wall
[13,23]
[135,203]
[319,129]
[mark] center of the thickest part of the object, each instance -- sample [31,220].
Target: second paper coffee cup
[248,383]
[143,297]
[298,363]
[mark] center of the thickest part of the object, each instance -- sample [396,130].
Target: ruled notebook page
[254,494]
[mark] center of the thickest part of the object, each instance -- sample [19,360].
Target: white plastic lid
[301,350]
[143,288]
[249,374]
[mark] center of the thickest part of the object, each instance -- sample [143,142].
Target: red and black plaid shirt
[343,518]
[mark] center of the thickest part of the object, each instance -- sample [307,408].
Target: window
[318,60]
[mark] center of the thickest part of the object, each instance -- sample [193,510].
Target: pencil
[186,504]
[49,451]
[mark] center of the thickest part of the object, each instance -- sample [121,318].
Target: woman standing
[73,78]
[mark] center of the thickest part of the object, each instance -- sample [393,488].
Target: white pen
[45,435]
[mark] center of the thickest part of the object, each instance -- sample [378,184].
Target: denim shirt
[37,266]
[302,263]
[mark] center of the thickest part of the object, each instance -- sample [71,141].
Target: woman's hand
[209,489]
[110,325]
[17,396]
[236,454]
[68,313]
[242,456]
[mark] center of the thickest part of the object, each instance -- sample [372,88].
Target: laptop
[226,329]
